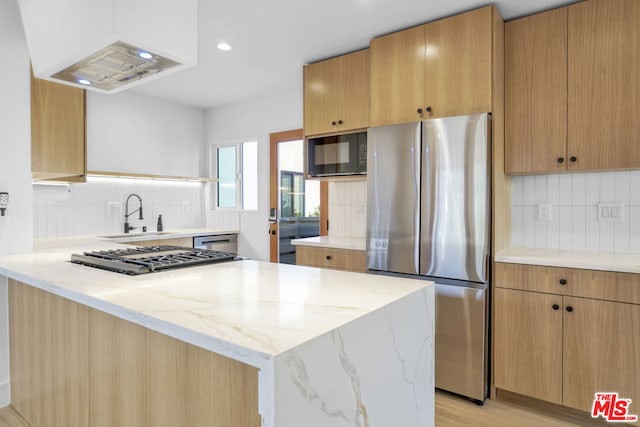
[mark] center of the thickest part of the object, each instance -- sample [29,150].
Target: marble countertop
[625,263]
[247,310]
[353,243]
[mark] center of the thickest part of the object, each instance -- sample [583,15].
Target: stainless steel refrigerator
[429,214]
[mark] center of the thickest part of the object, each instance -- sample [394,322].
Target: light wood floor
[10,418]
[451,411]
[454,411]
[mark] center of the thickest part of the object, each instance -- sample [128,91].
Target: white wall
[254,118]
[16,228]
[574,200]
[131,132]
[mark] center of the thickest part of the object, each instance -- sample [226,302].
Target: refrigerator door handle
[417,171]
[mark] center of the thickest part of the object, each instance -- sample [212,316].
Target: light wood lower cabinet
[75,366]
[562,348]
[528,348]
[49,361]
[340,259]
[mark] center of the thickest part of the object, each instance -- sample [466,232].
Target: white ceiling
[272,40]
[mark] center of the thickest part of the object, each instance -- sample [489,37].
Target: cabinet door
[320,96]
[528,344]
[601,348]
[57,130]
[397,77]
[353,92]
[458,64]
[603,84]
[536,93]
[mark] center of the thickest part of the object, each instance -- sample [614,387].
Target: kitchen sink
[139,234]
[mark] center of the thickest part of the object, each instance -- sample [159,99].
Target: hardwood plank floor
[10,418]
[451,411]
[454,411]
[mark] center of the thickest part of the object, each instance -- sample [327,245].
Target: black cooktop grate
[141,260]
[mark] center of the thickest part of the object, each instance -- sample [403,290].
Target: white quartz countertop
[626,263]
[247,310]
[353,243]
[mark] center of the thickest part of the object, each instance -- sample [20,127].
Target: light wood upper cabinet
[397,77]
[336,94]
[439,69]
[536,93]
[57,131]
[572,90]
[604,88]
[529,359]
[458,64]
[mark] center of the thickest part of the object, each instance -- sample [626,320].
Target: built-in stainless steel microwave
[337,155]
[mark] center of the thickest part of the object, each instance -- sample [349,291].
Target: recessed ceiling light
[145,55]
[224,46]
[84,82]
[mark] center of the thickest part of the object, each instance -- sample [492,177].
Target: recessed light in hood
[115,66]
[110,45]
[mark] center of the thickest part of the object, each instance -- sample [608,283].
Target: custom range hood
[109,45]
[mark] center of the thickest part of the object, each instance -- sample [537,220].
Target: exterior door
[288,218]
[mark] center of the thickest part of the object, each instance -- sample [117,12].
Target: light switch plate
[544,212]
[611,212]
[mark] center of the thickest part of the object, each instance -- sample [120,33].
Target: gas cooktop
[141,260]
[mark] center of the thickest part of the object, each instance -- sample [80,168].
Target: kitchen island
[298,346]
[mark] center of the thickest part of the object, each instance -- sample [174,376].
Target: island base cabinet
[601,352]
[76,366]
[48,358]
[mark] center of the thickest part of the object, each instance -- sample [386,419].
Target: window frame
[213,159]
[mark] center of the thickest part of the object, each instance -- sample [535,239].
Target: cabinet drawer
[342,259]
[605,285]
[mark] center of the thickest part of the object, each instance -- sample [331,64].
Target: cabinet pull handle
[563,281]
[555,306]
[569,309]
[333,123]
[573,159]
[339,122]
[328,257]
[560,159]
[428,109]
[419,111]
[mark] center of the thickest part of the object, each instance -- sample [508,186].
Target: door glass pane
[299,200]
[227,177]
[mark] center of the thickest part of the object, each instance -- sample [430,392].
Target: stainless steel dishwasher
[220,242]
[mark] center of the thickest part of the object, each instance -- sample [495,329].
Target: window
[237,173]
[227,177]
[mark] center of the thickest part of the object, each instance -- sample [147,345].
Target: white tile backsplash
[348,209]
[83,209]
[574,202]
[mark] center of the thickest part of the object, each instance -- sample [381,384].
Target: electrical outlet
[611,212]
[544,212]
[114,208]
